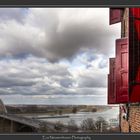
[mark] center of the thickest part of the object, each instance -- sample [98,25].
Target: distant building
[3,109]
[114,122]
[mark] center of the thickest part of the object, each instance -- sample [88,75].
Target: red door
[115,15]
[111,82]
[122,70]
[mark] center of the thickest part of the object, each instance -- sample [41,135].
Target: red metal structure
[134,53]
[127,63]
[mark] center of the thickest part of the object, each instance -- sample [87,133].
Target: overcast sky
[55,53]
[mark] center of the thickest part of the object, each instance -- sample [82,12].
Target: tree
[101,124]
[88,125]
[60,112]
[74,110]
[72,126]
[94,110]
[58,126]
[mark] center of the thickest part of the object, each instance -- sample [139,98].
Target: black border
[69,3]
[70,136]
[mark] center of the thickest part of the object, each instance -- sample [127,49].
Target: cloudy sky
[55,55]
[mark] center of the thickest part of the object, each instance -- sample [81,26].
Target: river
[80,116]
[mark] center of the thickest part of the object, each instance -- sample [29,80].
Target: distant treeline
[54,109]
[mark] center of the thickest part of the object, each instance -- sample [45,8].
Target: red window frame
[111,82]
[115,15]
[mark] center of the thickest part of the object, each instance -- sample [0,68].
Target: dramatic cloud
[36,76]
[48,54]
[56,33]
[17,14]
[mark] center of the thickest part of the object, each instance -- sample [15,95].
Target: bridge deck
[22,120]
[31,122]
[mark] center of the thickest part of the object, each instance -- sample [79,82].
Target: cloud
[90,77]
[92,80]
[74,37]
[34,76]
[56,34]
[55,52]
[11,81]
[12,14]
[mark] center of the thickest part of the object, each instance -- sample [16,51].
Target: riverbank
[66,118]
[54,109]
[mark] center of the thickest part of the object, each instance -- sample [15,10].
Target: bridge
[50,117]
[13,123]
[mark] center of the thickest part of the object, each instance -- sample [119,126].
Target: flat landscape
[67,118]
